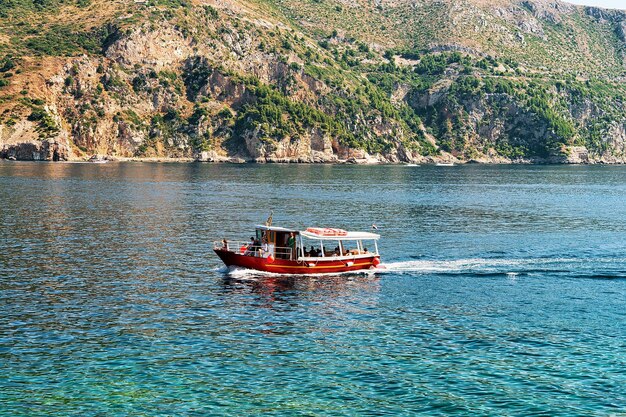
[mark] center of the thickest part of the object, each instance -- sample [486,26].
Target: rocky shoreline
[350,161]
[54,151]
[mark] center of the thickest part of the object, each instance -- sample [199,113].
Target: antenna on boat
[268,222]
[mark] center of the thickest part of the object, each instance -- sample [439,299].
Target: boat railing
[246,248]
[348,255]
[281,252]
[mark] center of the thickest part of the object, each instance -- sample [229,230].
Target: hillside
[313,81]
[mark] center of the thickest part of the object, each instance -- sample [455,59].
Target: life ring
[326,231]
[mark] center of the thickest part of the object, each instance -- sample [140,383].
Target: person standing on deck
[291,243]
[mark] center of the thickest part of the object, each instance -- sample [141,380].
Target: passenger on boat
[337,251]
[251,248]
[291,243]
[264,252]
[224,244]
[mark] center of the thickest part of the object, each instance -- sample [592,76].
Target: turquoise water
[505,292]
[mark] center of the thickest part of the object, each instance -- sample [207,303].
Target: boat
[315,250]
[444,164]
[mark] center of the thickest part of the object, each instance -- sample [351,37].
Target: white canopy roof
[310,235]
[348,236]
[275,229]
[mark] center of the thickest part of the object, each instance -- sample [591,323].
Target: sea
[503,293]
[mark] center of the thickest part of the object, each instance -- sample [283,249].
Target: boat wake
[454,266]
[608,268]
[599,268]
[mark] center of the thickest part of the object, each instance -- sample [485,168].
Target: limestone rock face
[615,139]
[620,29]
[35,151]
[551,11]
[22,142]
[431,97]
[158,48]
[577,155]
[312,147]
[606,15]
[527,22]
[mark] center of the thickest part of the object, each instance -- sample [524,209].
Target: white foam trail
[512,267]
[458,265]
[243,273]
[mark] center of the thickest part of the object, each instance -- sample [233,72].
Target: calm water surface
[505,292]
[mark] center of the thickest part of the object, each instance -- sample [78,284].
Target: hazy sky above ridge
[609,4]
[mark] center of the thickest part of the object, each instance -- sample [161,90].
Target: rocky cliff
[313,82]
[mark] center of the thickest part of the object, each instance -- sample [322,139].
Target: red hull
[283,266]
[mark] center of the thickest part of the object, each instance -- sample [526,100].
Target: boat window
[331,248]
[309,247]
[312,247]
[368,246]
[350,247]
[267,235]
